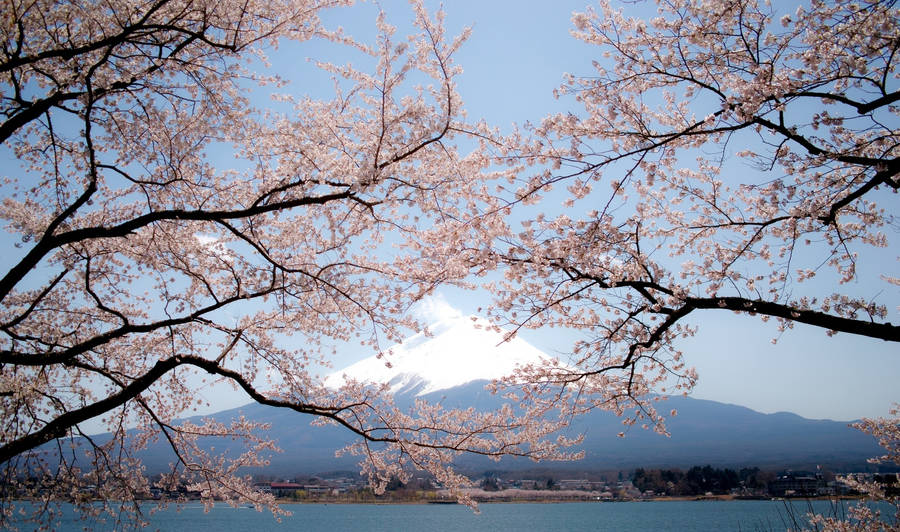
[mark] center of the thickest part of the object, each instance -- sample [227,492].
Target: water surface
[612,516]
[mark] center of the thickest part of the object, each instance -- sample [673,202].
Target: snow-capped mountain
[451,364]
[455,351]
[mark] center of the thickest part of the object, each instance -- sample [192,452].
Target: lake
[613,516]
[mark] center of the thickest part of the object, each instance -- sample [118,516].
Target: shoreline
[561,500]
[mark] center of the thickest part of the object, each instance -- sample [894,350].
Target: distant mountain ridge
[460,355]
[704,432]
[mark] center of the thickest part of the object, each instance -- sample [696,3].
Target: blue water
[618,516]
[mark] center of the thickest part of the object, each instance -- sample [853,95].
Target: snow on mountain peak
[457,351]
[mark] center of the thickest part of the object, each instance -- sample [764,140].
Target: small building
[574,484]
[263,487]
[284,489]
[797,485]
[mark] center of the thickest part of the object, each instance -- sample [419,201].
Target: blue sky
[514,59]
[516,56]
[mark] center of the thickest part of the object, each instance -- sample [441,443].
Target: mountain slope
[456,351]
[452,364]
[703,432]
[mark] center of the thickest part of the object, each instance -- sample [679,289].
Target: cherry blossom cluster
[863,515]
[720,156]
[147,265]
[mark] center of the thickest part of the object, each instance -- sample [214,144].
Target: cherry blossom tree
[865,516]
[726,156]
[143,263]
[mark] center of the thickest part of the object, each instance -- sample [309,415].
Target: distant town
[699,482]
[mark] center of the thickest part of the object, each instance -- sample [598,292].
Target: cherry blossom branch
[60,425]
[53,241]
[881,331]
[735,229]
[61,357]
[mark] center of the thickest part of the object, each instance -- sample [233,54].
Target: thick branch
[68,53]
[881,177]
[861,107]
[50,242]
[65,355]
[881,331]
[61,424]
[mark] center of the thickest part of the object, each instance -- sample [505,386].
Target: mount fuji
[454,352]
[452,363]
